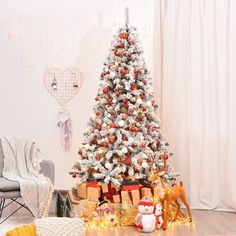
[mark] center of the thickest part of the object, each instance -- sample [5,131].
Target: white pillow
[55,226]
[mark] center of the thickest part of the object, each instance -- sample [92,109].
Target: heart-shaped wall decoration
[63,85]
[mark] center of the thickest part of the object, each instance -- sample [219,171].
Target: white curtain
[196,40]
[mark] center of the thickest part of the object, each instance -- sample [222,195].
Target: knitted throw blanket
[22,163]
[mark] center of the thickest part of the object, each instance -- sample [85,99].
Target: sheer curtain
[196,40]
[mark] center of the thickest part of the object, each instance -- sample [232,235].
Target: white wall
[79,33]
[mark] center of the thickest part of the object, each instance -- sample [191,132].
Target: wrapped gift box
[111,193]
[149,192]
[82,190]
[93,191]
[130,193]
[146,192]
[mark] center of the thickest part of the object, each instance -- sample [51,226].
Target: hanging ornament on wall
[54,83]
[63,86]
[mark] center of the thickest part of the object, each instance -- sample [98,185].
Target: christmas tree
[123,140]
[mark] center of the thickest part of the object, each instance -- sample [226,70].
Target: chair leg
[2,206]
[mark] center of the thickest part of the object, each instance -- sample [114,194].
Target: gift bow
[111,192]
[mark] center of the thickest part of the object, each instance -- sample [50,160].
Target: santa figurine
[146,220]
[158,214]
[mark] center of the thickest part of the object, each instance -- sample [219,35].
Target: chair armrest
[48,169]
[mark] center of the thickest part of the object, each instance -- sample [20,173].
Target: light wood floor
[211,223]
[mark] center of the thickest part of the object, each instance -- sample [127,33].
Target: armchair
[10,190]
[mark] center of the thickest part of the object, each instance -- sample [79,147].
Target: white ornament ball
[130,139]
[112,74]
[139,101]
[87,146]
[121,123]
[116,63]
[90,155]
[95,168]
[106,69]
[124,150]
[108,165]
[135,113]
[145,165]
[114,100]
[131,172]
[149,103]
[108,115]
[120,153]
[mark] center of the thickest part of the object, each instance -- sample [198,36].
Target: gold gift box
[82,190]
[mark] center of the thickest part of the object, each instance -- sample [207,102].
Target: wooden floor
[212,223]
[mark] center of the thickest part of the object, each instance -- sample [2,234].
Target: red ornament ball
[133,129]
[127,160]
[142,96]
[123,71]
[111,140]
[105,90]
[124,100]
[112,125]
[97,113]
[131,110]
[103,74]
[147,126]
[97,99]
[74,175]
[117,93]
[109,101]
[143,146]
[98,127]
[124,36]
[131,43]
[117,54]
[104,144]
[165,156]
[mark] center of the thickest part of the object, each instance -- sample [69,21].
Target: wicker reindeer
[169,195]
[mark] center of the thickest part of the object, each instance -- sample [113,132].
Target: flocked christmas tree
[123,140]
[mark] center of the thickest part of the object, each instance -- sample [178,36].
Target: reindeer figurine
[168,195]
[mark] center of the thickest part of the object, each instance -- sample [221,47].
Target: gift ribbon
[93,184]
[111,192]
